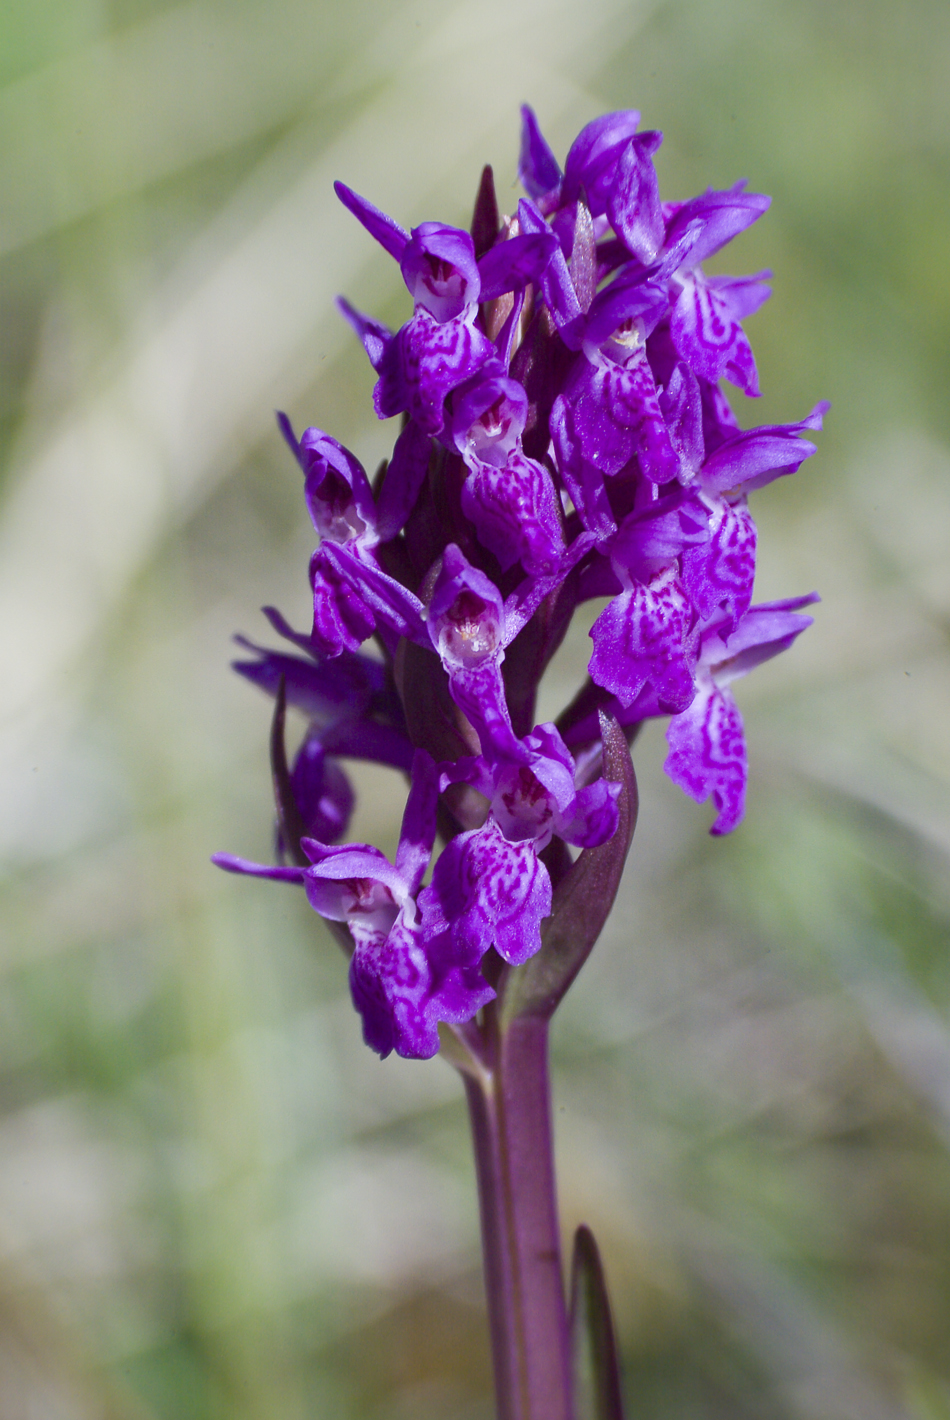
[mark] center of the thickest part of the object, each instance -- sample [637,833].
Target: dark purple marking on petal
[708,754]
[709,337]
[640,638]
[722,572]
[516,514]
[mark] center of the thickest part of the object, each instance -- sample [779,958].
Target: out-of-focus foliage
[214,1202]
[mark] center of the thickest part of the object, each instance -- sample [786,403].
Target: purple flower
[707,742]
[563,437]
[490,887]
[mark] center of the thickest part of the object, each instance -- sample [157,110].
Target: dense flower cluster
[564,437]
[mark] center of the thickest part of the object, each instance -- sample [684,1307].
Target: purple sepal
[388,233]
[556,283]
[706,330]
[721,572]
[594,154]
[513,264]
[516,513]
[323,690]
[722,216]
[641,638]
[633,204]
[538,170]
[341,618]
[438,266]
[322,792]
[231,864]
[383,352]
[752,458]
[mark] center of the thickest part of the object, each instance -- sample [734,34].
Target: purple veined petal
[231,864]
[719,420]
[439,268]
[640,638]
[383,349]
[388,600]
[488,418]
[437,358]
[417,833]
[681,403]
[515,511]
[617,415]
[592,160]
[709,338]
[764,631]
[388,233]
[342,618]
[486,891]
[633,203]
[383,974]
[722,572]
[336,490]
[708,754]
[751,458]
[518,262]
[583,480]
[723,216]
[538,169]
[593,815]
[404,477]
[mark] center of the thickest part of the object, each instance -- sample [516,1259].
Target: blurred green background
[214,1202]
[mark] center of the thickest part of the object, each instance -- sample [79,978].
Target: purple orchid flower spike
[563,437]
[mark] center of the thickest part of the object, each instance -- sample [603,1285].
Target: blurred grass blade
[596,1372]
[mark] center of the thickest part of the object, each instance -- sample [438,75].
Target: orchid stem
[510,1108]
